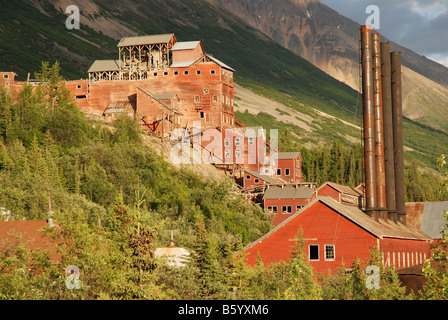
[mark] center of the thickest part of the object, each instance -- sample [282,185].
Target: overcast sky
[420,25]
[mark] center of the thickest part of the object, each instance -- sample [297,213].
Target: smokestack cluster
[383,129]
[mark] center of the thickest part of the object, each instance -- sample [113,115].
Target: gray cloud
[420,25]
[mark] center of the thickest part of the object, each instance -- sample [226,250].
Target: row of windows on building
[186,72]
[285,209]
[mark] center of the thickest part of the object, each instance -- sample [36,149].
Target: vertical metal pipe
[395,58]
[368,120]
[379,131]
[388,130]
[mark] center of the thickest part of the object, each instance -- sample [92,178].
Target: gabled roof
[343,189]
[220,63]
[266,178]
[288,192]
[380,229]
[148,39]
[105,65]
[185,45]
[161,102]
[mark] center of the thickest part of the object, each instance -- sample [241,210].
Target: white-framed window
[286,209]
[78,86]
[186,72]
[298,208]
[198,72]
[205,91]
[176,73]
[272,209]
[237,141]
[279,172]
[313,252]
[215,98]
[256,180]
[165,73]
[238,153]
[329,252]
[251,140]
[155,74]
[248,177]
[286,172]
[197,99]
[202,114]
[227,142]
[213,71]
[6,76]
[227,155]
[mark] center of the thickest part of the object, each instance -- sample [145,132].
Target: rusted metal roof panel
[120,106]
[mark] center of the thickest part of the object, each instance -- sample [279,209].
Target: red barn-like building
[342,194]
[337,234]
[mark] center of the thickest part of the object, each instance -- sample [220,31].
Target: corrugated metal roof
[288,192]
[148,39]
[266,178]
[120,106]
[105,65]
[432,219]
[185,45]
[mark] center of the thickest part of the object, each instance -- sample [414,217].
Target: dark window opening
[314,252]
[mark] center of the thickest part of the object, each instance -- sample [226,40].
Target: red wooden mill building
[155,67]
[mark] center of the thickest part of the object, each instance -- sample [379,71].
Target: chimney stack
[368,121]
[397,120]
[383,129]
[379,129]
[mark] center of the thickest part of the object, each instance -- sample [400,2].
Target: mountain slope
[309,95]
[329,40]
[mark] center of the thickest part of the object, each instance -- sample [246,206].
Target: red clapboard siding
[321,225]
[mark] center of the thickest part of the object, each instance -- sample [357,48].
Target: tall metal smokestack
[388,130]
[379,131]
[397,119]
[368,121]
